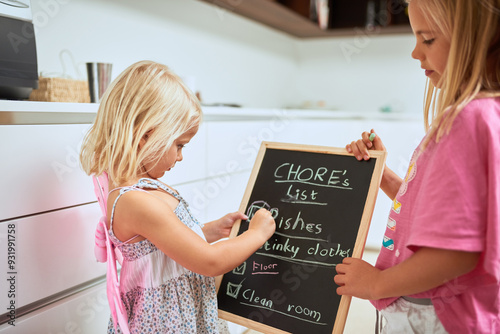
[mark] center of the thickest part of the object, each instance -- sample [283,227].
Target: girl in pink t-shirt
[439,268]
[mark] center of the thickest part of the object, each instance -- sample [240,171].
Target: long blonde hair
[147,100]
[473,66]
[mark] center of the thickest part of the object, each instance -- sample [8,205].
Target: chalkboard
[322,200]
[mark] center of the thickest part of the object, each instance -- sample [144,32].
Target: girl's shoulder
[480,114]
[134,202]
[484,105]
[132,208]
[128,200]
[145,198]
[477,126]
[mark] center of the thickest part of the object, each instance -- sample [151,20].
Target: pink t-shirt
[450,199]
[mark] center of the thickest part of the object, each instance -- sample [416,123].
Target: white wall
[234,59]
[361,73]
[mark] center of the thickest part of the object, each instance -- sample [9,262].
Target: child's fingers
[342,267]
[339,279]
[366,138]
[355,150]
[376,142]
[240,215]
[344,290]
[234,216]
[361,150]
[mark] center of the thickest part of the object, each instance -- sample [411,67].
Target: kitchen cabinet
[85,312]
[42,169]
[54,253]
[48,215]
[346,17]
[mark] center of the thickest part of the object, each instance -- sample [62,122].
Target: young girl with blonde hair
[439,268]
[144,120]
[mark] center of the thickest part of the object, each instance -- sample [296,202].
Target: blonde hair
[146,100]
[473,66]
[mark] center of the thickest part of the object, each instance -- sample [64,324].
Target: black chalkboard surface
[322,200]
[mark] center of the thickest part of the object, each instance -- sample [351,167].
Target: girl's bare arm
[428,268]
[148,216]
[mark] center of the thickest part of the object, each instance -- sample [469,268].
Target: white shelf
[29,112]
[54,107]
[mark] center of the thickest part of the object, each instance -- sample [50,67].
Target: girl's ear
[142,142]
[144,139]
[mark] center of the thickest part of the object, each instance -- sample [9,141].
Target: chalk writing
[233,289]
[285,247]
[299,312]
[240,270]
[317,177]
[249,295]
[288,315]
[301,196]
[336,178]
[297,223]
[304,310]
[269,269]
[255,206]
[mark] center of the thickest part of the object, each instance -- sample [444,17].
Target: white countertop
[21,112]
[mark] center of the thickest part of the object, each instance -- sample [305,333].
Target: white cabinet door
[194,163]
[53,252]
[214,197]
[41,170]
[233,146]
[229,196]
[86,312]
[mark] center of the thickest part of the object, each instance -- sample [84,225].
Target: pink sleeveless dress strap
[105,252]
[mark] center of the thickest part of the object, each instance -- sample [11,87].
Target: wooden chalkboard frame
[379,156]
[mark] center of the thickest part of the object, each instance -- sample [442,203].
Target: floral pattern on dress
[183,302]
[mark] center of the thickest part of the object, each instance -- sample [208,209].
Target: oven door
[18,58]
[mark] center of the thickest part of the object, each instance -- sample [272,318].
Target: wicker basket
[61,90]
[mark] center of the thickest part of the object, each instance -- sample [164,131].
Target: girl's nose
[416,54]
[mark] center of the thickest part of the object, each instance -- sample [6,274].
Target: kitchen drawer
[85,312]
[53,252]
[41,170]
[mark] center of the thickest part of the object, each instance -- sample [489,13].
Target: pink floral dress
[159,295]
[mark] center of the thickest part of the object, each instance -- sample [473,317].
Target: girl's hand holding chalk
[361,147]
[371,137]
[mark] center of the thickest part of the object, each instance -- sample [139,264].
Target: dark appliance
[18,60]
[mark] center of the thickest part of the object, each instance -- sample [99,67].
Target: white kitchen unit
[48,214]
[41,169]
[48,211]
